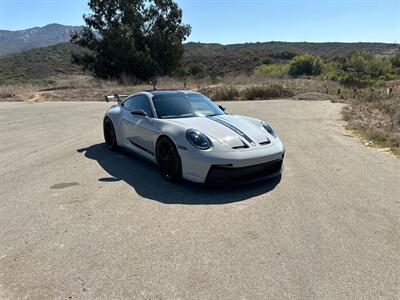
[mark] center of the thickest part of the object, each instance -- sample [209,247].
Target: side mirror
[222,108]
[139,112]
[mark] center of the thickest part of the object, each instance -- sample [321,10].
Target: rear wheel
[168,159]
[109,134]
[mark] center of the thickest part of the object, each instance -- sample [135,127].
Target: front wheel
[109,134]
[168,159]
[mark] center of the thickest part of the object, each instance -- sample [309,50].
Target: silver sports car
[190,137]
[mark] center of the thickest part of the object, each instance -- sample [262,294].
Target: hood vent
[265,143]
[243,146]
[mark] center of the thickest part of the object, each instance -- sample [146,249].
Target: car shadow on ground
[144,177]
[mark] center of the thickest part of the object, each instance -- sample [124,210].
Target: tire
[110,137]
[168,159]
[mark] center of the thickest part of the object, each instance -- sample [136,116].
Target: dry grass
[376,117]
[272,91]
[86,88]
[79,88]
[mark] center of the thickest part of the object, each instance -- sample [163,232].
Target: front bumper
[234,166]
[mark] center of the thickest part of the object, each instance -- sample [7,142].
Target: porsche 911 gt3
[189,137]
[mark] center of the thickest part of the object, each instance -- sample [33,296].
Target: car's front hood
[234,131]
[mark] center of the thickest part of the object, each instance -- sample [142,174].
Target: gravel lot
[80,222]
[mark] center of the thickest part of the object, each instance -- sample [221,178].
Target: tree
[136,38]
[305,64]
[188,71]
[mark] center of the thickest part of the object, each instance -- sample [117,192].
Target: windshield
[182,105]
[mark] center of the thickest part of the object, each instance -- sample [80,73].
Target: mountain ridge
[23,40]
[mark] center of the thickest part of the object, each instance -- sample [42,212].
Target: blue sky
[238,21]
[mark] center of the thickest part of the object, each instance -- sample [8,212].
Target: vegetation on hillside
[38,65]
[362,69]
[358,69]
[216,59]
[199,61]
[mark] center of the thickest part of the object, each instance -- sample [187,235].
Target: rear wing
[117,97]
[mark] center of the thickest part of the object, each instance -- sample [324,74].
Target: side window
[138,102]
[128,103]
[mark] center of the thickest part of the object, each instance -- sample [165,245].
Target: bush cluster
[300,65]
[221,93]
[359,69]
[305,64]
[395,60]
[273,70]
[288,55]
[362,69]
[265,92]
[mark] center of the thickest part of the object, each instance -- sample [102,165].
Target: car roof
[169,92]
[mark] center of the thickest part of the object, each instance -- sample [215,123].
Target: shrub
[275,70]
[395,60]
[330,71]
[362,69]
[288,55]
[221,93]
[226,93]
[305,64]
[265,92]
[267,61]
[216,78]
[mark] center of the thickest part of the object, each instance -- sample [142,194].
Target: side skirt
[138,152]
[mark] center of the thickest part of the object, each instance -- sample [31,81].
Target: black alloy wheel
[109,134]
[168,159]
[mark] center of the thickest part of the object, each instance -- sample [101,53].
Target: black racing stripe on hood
[233,128]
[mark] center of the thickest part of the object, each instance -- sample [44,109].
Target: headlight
[198,139]
[269,128]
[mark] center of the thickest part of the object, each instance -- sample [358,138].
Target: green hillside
[211,59]
[38,64]
[218,59]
